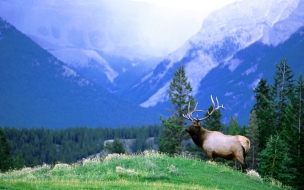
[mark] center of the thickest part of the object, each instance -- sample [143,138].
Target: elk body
[215,143]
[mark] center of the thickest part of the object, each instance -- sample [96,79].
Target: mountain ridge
[203,51]
[39,90]
[202,61]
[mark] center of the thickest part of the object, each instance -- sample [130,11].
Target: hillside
[39,90]
[147,170]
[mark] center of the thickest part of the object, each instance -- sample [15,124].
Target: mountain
[113,72]
[236,46]
[39,90]
[85,37]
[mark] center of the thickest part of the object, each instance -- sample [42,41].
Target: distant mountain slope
[235,87]
[39,90]
[113,72]
[233,81]
[223,33]
[247,29]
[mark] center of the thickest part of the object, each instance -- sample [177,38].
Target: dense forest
[40,145]
[275,129]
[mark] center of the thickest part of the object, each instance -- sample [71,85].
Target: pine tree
[170,140]
[180,95]
[213,122]
[282,89]
[233,127]
[116,147]
[253,134]
[6,160]
[274,161]
[18,162]
[265,111]
[293,129]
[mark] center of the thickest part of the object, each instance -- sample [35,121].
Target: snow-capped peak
[226,31]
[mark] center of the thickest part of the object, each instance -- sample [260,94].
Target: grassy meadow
[146,170]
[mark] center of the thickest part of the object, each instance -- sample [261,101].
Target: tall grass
[146,170]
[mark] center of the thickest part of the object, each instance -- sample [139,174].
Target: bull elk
[215,143]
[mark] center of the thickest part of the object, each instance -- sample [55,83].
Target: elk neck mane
[199,136]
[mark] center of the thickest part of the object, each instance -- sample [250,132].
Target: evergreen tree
[213,122]
[180,95]
[274,161]
[282,89]
[253,134]
[233,127]
[5,155]
[293,120]
[18,163]
[265,112]
[141,138]
[116,147]
[293,129]
[170,140]
[243,130]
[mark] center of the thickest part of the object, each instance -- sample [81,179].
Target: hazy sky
[169,23]
[144,28]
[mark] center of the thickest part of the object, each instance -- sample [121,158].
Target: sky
[190,5]
[171,23]
[135,28]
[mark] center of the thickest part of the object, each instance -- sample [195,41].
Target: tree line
[31,147]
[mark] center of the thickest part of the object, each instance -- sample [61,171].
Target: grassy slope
[147,170]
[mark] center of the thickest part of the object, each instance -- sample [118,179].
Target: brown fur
[216,144]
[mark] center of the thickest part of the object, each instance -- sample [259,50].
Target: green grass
[148,170]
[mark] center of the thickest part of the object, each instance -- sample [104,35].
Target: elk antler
[189,114]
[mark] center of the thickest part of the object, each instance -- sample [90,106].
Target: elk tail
[244,152]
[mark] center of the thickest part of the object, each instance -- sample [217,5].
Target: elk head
[195,125]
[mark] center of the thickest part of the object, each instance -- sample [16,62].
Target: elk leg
[211,156]
[242,161]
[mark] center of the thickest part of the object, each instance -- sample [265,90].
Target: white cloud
[168,24]
[190,5]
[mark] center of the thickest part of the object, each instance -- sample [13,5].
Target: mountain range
[38,90]
[236,47]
